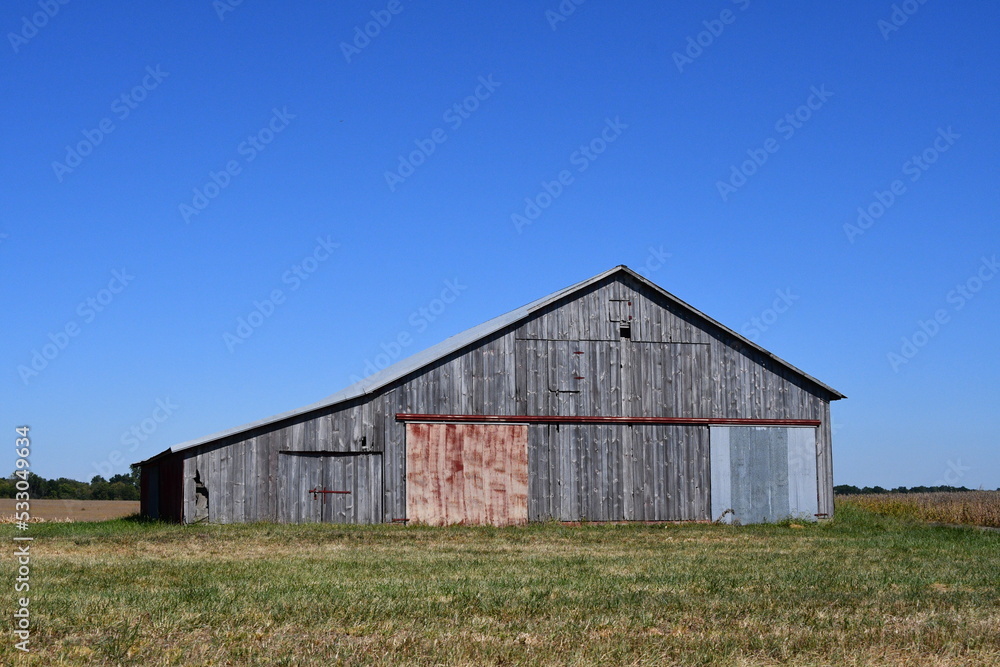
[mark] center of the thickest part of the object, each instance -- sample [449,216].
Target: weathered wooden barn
[610,400]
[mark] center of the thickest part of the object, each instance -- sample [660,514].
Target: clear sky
[168,169]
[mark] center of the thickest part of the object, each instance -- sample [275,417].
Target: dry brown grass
[71,510]
[973,508]
[860,590]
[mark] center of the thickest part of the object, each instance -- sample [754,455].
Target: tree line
[119,487]
[850,489]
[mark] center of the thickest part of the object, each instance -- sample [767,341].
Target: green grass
[862,589]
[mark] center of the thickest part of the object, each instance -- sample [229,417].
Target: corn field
[976,508]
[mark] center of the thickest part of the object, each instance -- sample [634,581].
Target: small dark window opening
[625,331]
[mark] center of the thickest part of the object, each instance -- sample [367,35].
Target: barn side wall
[161,489]
[149,492]
[675,364]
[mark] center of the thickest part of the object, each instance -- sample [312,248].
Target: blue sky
[167,170]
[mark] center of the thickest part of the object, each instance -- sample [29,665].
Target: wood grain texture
[356,477]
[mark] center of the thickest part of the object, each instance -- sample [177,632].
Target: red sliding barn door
[467,473]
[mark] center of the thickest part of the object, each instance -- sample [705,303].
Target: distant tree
[100,491]
[122,491]
[38,487]
[68,489]
[124,479]
[119,487]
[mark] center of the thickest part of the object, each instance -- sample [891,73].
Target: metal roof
[415,362]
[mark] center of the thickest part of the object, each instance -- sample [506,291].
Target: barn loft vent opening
[620,313]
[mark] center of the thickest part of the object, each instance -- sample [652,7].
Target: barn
[610,400]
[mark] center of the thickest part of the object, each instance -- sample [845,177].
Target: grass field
[71,510]
[859,590]
[977,508]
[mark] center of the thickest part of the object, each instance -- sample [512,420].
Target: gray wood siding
[615,472]
[360,475]
[674,365]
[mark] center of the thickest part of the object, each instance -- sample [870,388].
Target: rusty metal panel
[467,473]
